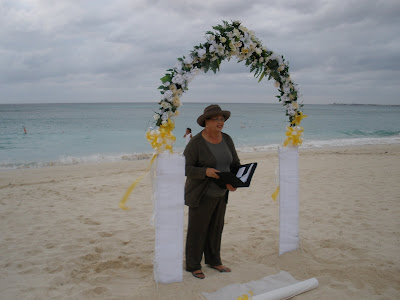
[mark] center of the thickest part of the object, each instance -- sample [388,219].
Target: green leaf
[262,76]
[166,78]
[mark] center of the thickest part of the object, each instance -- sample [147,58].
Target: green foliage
[261,62]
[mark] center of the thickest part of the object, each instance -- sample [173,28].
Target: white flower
[222,39]
[210,37]
[212,48]
[178,79]
[284,98]
[252,34]
[188,77]
[242,28]
[236,32]
[168,94]
[220,49]
[281,68]
[166,84]
[164,116]
[156,117]
[164,123]
[258,51]
[276,57]
[178,67]
[238,44]
[246,39]
[291,110]
[201,52]
[188,60]
[261,59]
[165,105]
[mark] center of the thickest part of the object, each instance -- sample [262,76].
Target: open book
[242,178]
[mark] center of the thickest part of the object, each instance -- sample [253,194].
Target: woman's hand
[230,187]
[210,172]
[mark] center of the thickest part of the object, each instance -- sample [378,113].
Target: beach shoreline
[63,234]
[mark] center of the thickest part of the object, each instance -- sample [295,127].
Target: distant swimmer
[25,130]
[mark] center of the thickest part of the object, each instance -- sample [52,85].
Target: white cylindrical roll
[288,199]
[289,291]
[169,218]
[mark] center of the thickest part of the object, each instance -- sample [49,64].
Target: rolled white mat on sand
[288,199]
[169,218]
[289,291]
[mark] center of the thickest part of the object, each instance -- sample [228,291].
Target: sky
[69,51]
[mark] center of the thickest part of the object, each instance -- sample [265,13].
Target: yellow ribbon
[298,118]
[163,138]
[245,296]
[293,136]
[275,194]
[133,185]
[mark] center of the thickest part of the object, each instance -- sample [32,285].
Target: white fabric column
[288,199]
[169,218]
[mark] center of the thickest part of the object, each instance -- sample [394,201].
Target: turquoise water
[81,133]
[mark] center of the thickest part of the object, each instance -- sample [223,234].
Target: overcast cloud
[117,50]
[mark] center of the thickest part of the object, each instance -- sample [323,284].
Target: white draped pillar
[288,199]
[169,218]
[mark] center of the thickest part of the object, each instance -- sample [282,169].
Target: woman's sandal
[198,274]
[221,269]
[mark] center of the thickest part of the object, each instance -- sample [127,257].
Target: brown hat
[211,111]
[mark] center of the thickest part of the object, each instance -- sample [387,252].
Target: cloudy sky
[117,50]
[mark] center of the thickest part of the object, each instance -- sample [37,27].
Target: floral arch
[227,40]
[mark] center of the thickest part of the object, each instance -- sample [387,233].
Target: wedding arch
[227,40]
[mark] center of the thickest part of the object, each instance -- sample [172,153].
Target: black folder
[242,178]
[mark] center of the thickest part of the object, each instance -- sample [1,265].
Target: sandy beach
[63,235]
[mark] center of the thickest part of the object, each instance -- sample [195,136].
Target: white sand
[64,236]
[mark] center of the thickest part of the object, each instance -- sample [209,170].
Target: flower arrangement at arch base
[227,40]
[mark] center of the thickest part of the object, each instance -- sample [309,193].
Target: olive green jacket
[198,158]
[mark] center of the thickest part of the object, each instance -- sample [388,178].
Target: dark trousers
[204,233]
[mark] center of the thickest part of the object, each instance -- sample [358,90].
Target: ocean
[64,134]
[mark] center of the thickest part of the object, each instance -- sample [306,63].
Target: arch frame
[229,39]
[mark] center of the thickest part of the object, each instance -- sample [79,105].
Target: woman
[188,135]
[209,152]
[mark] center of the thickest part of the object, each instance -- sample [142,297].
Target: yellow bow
[162,139]
[298,118]
[245,296]
[293,136]
[133,185]
[275,194]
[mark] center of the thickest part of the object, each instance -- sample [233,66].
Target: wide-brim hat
[212,111]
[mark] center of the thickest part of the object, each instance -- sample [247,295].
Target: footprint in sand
[87,221]
[105,234]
